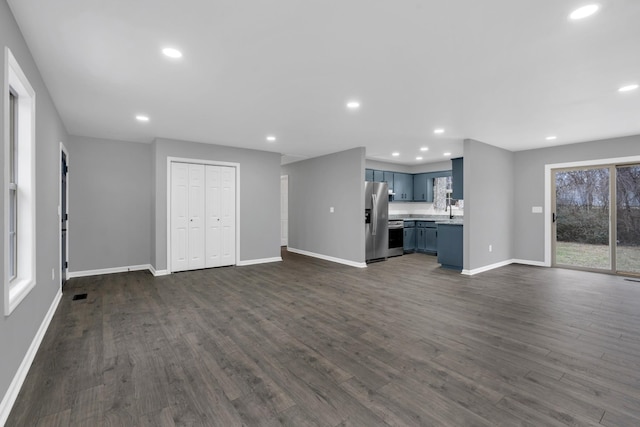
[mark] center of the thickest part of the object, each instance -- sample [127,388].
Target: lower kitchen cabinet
[409,239]
[450,246]
[426,237]
[420,239]
[431,240]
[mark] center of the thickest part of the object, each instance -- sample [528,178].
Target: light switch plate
[331,210]
[536,209]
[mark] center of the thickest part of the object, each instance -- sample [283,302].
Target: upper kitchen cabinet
[423,185]
[376,175]
[458,178]
[421,191]
[408,187]
[368,175]
[402,187]
[388,178]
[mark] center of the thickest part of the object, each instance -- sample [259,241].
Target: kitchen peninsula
[434,235]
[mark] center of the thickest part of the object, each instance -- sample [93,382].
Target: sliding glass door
[627,254]
[582,236]
[596,218]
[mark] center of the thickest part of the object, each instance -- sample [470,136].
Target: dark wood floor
[311,343]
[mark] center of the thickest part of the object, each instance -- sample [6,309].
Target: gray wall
[259,196]
[109,203]
[529,185]
[18,330]
[314,186]
[488,204]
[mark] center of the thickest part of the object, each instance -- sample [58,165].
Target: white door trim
[64,150]
[548,172]
[201,162]
[284,203]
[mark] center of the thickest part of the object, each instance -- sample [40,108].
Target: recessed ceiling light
[438,131]
[584,11]
[424,149]
[418,158]
[271,138]
[353,105]
[551,138]
[142,118]
[447,154]
[395,154]
[171,52]
[628,88]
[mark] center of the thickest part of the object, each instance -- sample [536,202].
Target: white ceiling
[505,72]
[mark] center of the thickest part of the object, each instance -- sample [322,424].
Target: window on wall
[19,176]
[13,187]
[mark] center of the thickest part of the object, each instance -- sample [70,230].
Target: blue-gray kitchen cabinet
[450,246]
[458,178]
[409,236]
[420,187]
[402,187]
[426,237]
[368,174]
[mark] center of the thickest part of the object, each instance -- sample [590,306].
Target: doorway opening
[596,218]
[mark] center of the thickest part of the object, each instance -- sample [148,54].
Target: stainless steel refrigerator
[376,220]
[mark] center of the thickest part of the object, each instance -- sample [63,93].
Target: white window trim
[17,289]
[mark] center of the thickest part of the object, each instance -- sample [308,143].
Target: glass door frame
[550,223]
[612,215]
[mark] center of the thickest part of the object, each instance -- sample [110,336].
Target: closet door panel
[228,216]
[196,216]
[179,216]
[213,224]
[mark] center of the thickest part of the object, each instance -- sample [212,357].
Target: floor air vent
[79,296]
[632,280]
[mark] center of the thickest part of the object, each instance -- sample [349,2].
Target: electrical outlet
[490,248]
[331,210]
[53,274]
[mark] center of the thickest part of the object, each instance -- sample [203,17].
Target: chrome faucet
[450,200]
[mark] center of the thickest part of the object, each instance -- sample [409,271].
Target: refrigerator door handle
[374,219]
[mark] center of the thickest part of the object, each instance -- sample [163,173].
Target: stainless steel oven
[396,237]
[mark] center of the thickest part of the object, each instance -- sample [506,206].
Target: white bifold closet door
[202,216]
[220,216]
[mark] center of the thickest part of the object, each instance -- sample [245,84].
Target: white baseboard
[152,269]
[158,273]
[98,272]
[16,384]
[486,268]
[328,258]
[529,262]
[502,264]
[258,261]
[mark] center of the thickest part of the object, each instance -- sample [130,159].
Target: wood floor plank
[57,419]
[88,408]
[306,342]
